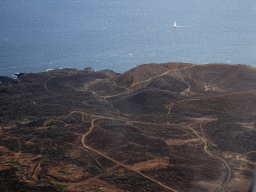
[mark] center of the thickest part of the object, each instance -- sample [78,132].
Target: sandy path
[54,120]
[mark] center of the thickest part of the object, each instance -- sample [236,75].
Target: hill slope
[157,127]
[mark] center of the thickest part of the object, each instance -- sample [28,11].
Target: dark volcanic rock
[19,74]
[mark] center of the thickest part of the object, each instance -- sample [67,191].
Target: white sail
[175,25]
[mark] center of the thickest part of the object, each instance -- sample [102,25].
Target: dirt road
[116,162]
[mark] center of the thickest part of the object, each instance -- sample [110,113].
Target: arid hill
[157,127]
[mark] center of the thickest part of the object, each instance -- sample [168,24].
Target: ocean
[38,35]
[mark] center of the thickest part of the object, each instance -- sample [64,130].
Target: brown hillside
[145,72]
[146,100]
[172,127]
[238,102]
[220,77]
[184,78]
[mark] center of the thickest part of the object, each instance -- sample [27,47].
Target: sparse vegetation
[94,169]
[53,132]
[158,118]
[80,162]
[63,172]
[10,182]
[96,189]
[10,144]
[14,162]
[45,162]
[56,152]
[126,182]
[2,136]
[59,186]
[46,115]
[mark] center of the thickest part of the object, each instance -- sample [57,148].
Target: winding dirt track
[87,147]
[229,171]
[129,89]
[225,181]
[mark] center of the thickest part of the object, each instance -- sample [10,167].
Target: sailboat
[175,24]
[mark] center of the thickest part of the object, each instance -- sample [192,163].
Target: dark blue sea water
[37,35]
